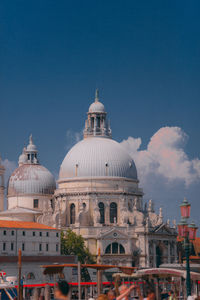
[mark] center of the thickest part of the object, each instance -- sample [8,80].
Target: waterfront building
[98,196]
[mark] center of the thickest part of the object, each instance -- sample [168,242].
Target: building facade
[98,196]
[32,238]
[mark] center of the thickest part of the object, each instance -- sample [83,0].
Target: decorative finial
[174,223]
[31,139]
[160,212]
[97,95]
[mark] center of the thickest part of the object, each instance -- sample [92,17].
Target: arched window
[113,212]
[121,249]
[115,248]
[102,213]
[72,213]
[108,249]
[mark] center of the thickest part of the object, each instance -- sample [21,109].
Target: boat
[8,289]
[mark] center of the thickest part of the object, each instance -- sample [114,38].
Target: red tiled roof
[24,225]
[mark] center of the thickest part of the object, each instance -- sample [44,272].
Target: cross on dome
[31,139]
[97,95]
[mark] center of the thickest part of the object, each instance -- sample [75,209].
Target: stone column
[168,253]
[95,125]
[148,245]
[154,254]
[175,252]
[107,213]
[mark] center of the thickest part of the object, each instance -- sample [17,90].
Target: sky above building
[144,58]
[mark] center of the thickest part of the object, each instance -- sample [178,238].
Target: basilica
[97,195]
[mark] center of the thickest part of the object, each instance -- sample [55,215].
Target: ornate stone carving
[123,212]
[96,213]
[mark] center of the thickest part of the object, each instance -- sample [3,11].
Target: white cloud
[72,138]
[164,156]
[10,166]
[165,171]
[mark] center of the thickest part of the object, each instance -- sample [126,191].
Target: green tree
[73,244]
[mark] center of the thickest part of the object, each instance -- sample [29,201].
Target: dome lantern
[31,152]
[96,123]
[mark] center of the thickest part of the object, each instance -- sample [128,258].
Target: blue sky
[142,55]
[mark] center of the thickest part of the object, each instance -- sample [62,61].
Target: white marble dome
[96,107]
[98,157]
[30,179]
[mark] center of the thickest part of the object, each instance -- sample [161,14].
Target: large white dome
[31,179]
[97,157]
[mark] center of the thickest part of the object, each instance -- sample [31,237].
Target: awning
[166,272]
[58,268]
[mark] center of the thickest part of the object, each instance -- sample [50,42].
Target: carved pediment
[163,229]
[113,233]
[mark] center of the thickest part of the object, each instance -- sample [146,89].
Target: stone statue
[96,213]
[123,212]
[174,223]
[135,203]
[150,207]
[57,205]
[160,217]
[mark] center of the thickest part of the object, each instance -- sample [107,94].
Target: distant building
[30,187]
[33,239]
[40,245]
[98,196]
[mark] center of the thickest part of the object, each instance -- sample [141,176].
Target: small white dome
[31,147]
[98,157]
[96,107]
[30,179]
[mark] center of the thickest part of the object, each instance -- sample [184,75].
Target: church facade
[97,196]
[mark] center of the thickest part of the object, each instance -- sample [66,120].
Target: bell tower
[2,186]
[96,124]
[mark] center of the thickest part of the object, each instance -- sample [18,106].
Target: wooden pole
[79,280]
[98,282]
[19,275]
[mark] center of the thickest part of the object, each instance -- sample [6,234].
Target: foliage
[73,244]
